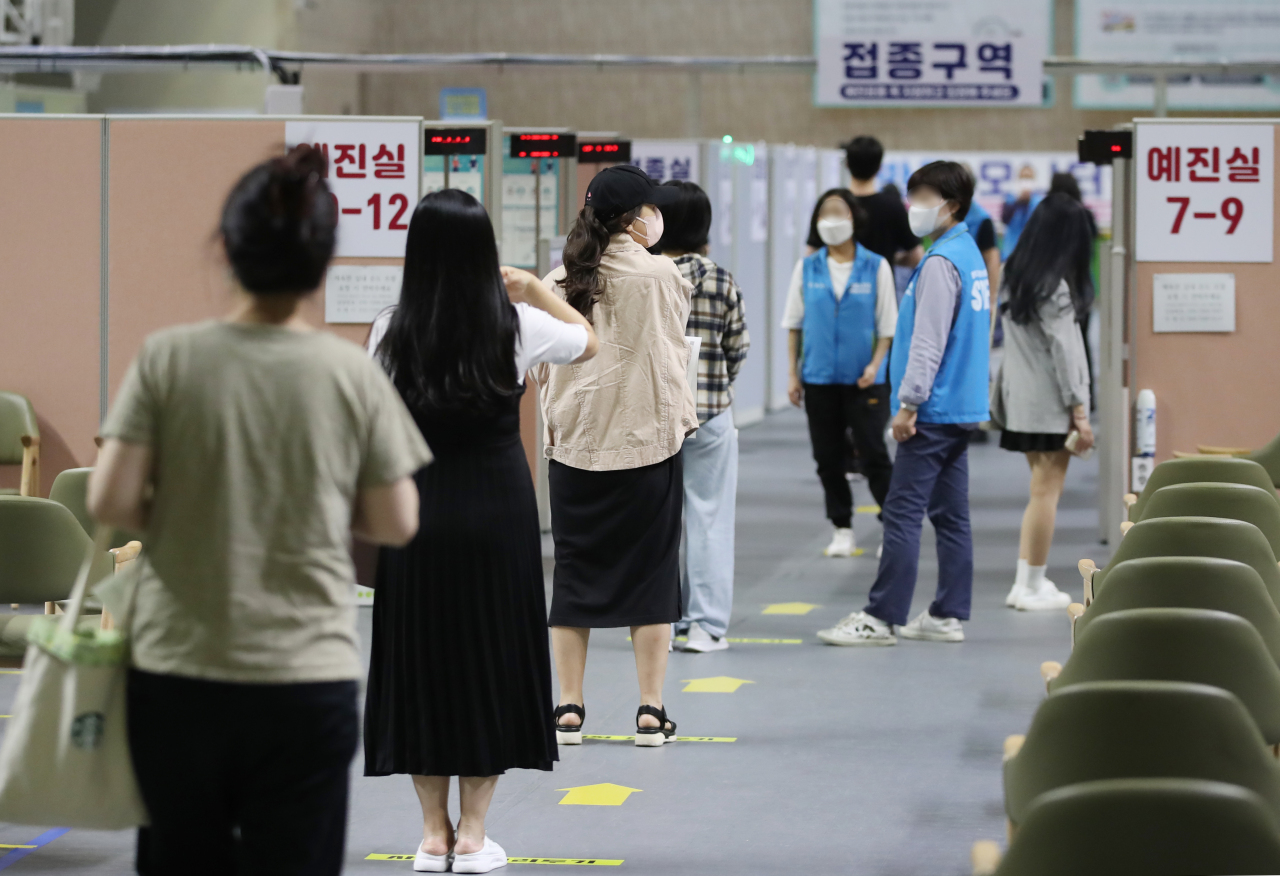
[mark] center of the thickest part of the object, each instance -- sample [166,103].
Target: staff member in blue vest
[938,371]
[840,313]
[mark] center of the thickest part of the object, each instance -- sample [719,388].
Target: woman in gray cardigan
[1041,393]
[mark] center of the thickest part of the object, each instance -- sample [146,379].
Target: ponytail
[583,250]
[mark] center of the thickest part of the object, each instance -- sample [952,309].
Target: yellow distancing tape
[632,737]
[579,862]
[10,671]
[790,608]
[716,684]
[868,509]
[11,846]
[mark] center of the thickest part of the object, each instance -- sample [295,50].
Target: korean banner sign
[940,53]
[373,174]
[1205,192]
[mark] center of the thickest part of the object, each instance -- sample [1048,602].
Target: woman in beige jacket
[614,429]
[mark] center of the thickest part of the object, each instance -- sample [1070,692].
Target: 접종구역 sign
[935,53]
[1205,192]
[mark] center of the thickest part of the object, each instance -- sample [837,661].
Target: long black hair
[1055,245]
[279,224]
[861,221]
[583,249]
[451,341]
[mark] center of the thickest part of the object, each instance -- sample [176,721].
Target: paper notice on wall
[1194,302]
[358,293]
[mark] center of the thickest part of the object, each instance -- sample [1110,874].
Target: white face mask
[835,231]
[923,220]
[653,228]
[1024,186]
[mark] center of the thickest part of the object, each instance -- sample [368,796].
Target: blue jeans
[710,493]
[930,475]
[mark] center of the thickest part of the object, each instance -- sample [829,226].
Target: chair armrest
[1074,610]
[1130,499]
[1012,745]
[1223,451]
[1087,569]
[985,857]
[126,553]
[29,485]
[1049,670]
[1125,527]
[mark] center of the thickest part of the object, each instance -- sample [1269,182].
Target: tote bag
[65,757]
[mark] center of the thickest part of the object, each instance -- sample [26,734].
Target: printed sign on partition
[1205,192]
[941,53]
[358,293]
[667,159]
[1193,303]
[373,173]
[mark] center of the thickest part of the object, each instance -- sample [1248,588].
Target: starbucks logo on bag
[87,729]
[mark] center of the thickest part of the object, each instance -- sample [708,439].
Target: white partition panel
[784,249]
[831,169]
[749,165]
[717,182]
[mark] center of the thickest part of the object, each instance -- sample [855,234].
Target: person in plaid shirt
[710,457]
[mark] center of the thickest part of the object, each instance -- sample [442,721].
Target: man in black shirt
[887,234]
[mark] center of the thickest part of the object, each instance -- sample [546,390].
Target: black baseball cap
[615,190]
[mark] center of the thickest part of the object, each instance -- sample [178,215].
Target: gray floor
[878,761]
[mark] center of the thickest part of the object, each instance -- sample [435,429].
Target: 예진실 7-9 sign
[1205,192]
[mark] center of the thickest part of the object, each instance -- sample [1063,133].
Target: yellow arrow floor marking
[632,737]
[716,684]
[868,509]
[597,862]
[790,608]
[604,794]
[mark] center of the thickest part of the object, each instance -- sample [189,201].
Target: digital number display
[613,152]
[455,141]
[544,145]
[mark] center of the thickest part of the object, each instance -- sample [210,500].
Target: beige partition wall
[1211,388]
[50,247]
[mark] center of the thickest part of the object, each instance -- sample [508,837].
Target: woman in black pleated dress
[460,678]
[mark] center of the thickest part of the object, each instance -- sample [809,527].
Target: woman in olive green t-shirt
[247,450]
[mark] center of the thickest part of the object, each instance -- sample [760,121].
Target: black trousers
[242,778]
[833,409]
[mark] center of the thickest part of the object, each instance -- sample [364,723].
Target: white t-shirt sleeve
[378,330]
[793,315]
[543,338]
[886,301]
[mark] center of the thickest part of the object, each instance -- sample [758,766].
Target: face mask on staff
[835,231]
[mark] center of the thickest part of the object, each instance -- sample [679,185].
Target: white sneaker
[490,857]
[926,627]
[700,641]
[842,544]
[859,628]
[425,863]
[1044,597]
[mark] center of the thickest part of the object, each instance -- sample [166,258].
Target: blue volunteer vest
[839,336]
[974,218]
[959,392]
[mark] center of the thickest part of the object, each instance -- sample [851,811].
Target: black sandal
[570,734]
[653,737]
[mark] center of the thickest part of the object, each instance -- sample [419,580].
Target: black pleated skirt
[617,537]
[460,674]
[1032,442]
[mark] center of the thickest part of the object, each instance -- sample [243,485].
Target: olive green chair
[71,488]
[1189,582]
[1191,537]
[1235,501]
[1199,469]
[1268,456]
[41,548]
[1138,729]
[1178,644]
[1142,827]
[20,442]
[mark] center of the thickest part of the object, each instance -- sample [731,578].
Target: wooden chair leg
[51,608]
[108,622]
[985,857]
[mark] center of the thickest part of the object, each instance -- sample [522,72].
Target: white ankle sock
[1035,578]
[1020,576]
